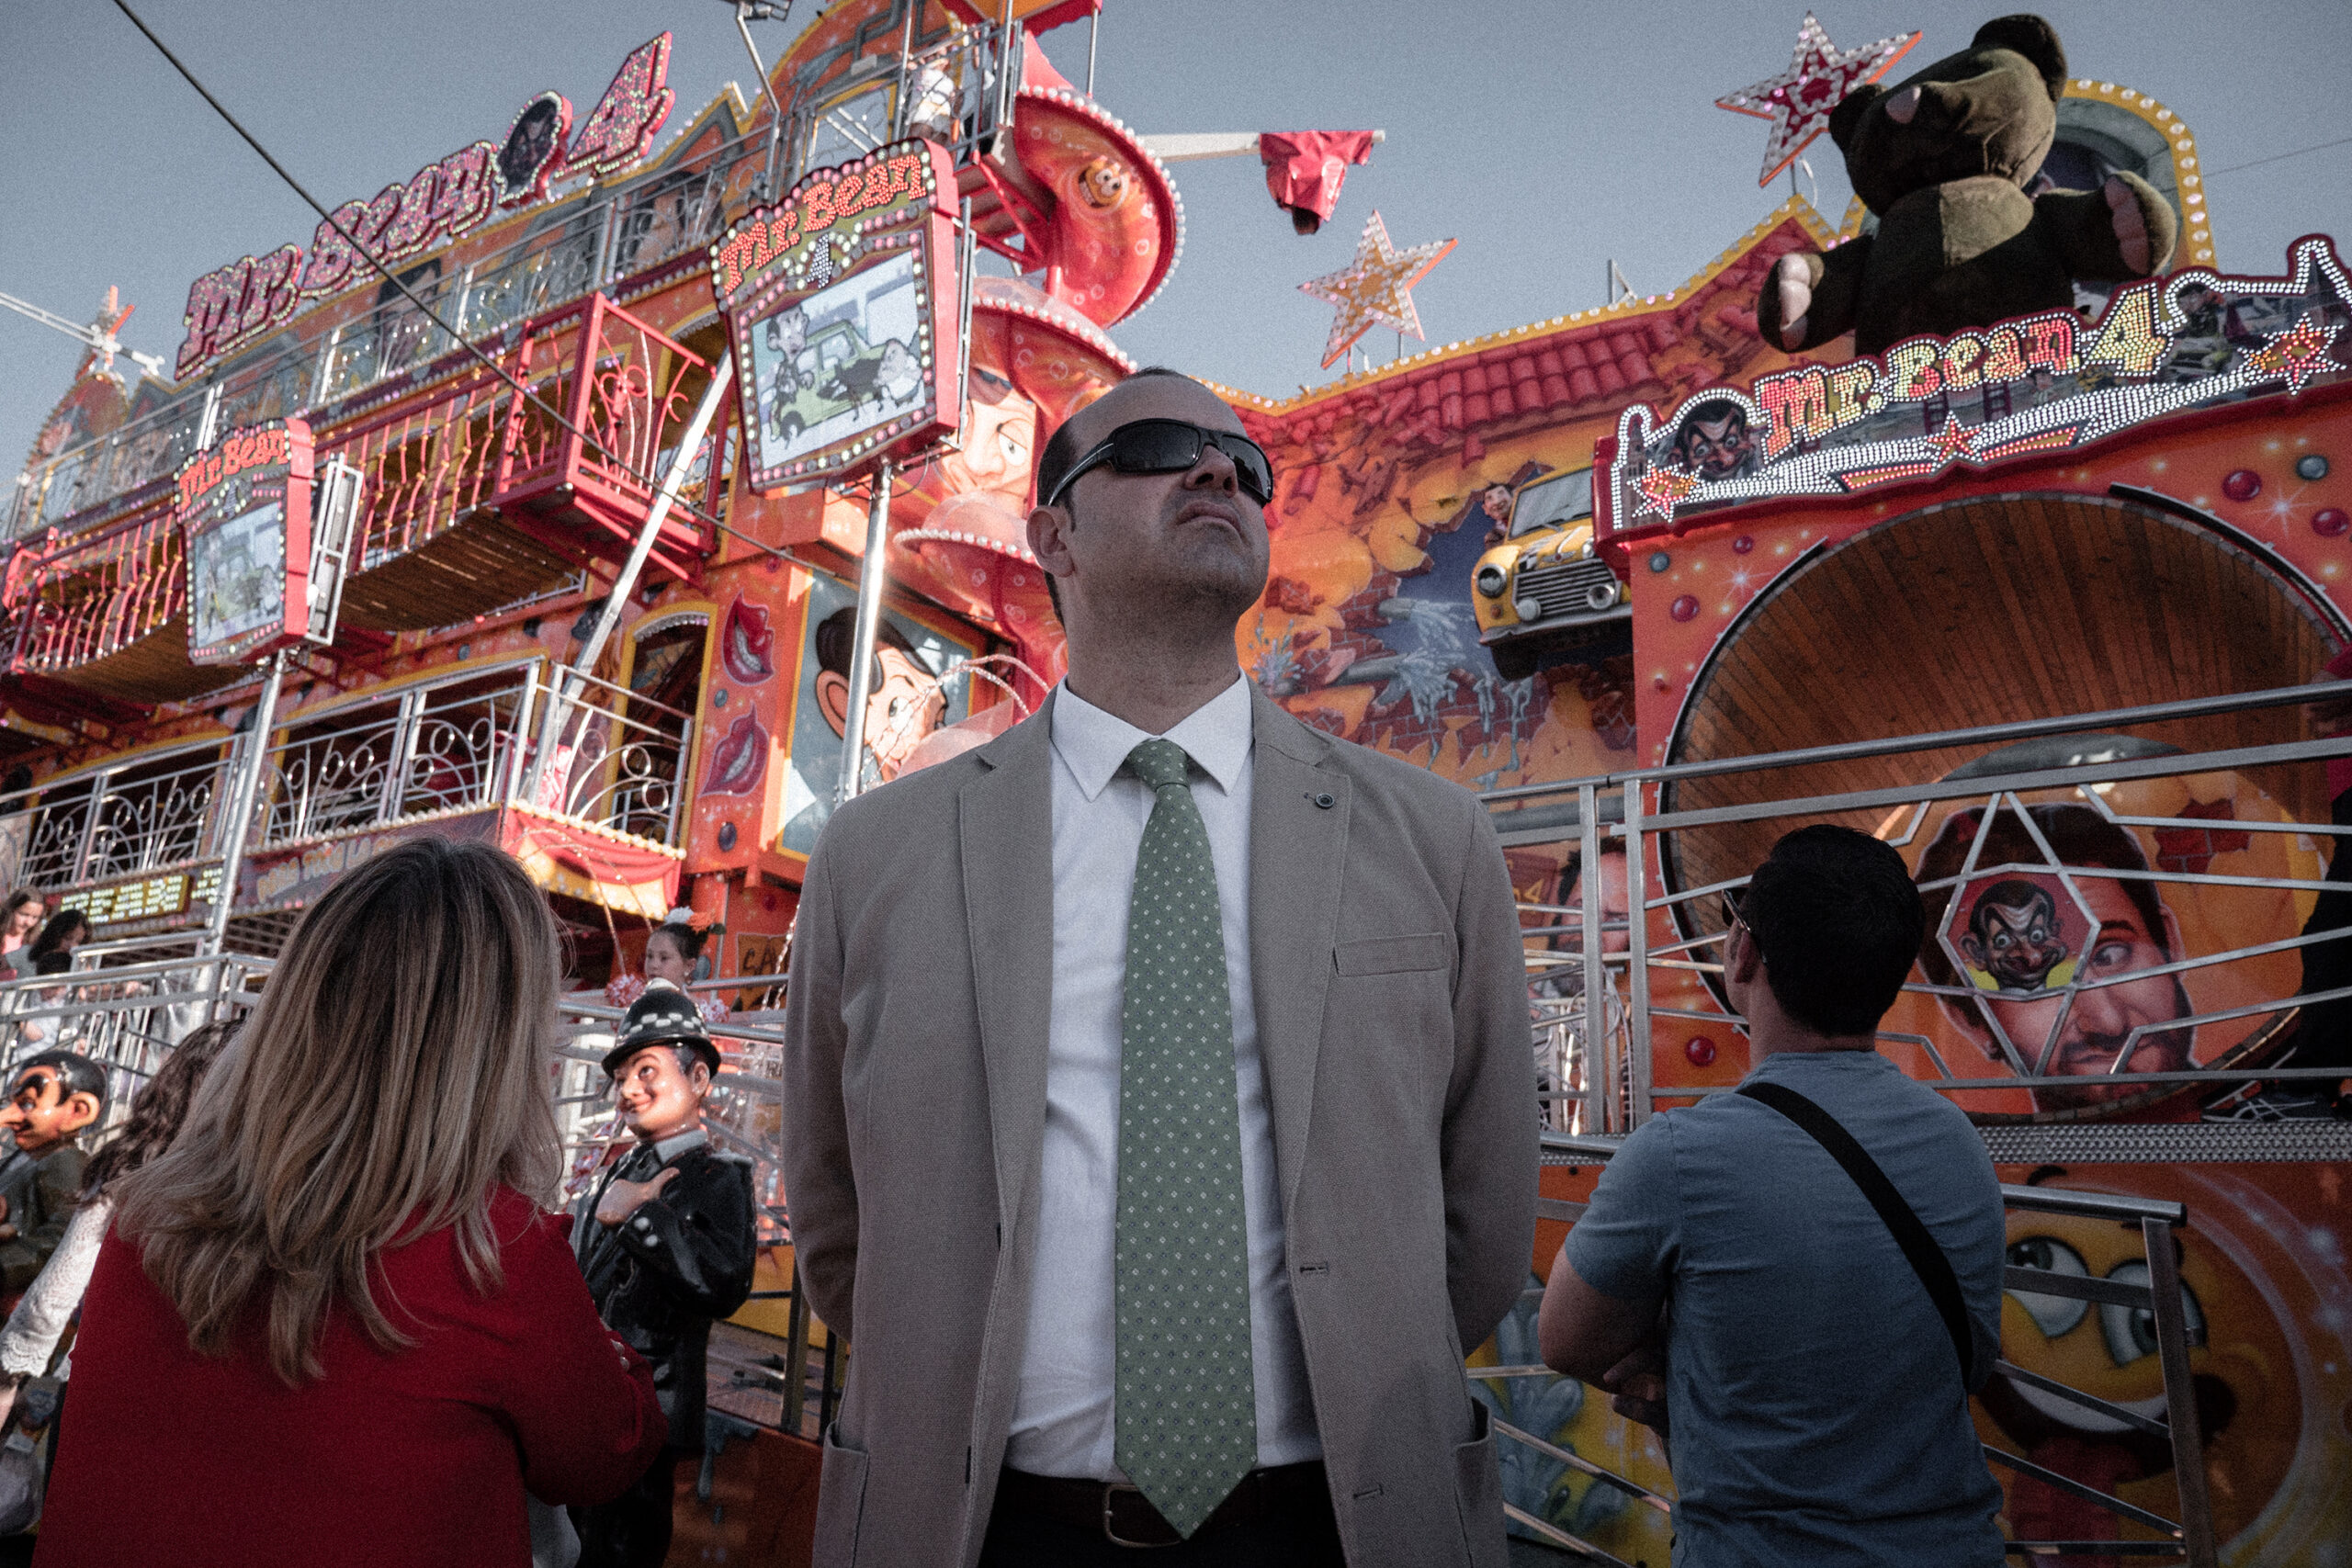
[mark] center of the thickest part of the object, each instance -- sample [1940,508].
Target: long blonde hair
[393,1073]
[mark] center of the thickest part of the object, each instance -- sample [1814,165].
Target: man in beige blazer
[1159,1122]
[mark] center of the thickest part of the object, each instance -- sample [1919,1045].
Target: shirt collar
[1094,744]
[671,1147]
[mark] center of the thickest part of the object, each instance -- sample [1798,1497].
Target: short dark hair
[685,938]
[2078,836]
[837,639]
[1060,451]
[54,963]
[1837,921]
[76,1073]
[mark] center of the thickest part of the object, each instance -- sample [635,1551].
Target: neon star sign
[1798,100]
[1375,288]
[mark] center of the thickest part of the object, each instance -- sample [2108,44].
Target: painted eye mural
[2053,1315]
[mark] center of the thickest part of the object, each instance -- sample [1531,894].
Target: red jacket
[418,1457]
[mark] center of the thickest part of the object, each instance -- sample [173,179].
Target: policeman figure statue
[666,1244]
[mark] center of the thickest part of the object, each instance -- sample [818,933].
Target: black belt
[1126,1518]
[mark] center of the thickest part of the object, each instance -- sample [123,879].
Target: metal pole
[1094,26]
[240,804]
[871,581]
[2180,1395]
[1637,974]
[551,724]
[1599,1049]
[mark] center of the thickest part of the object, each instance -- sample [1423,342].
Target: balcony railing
[146,814]
[463,743]
[655,220]
[610,397]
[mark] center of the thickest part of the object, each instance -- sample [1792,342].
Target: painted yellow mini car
[1542,595]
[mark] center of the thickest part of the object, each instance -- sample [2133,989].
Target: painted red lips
[739,761]
[746,646]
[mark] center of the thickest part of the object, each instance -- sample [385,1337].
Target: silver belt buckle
[1111,1489]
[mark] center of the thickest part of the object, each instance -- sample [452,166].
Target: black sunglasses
[1170,447]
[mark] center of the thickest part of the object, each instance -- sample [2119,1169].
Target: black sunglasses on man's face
[1171,446]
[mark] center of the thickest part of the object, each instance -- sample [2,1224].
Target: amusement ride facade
[664,487]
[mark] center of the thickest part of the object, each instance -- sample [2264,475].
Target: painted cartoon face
[789,333]
[2095,1031]
[999,436]
[2014,934]
[2247,1405]
[1103,184]
[41,1113]
[1718,448]
[903,709]
[657,1098]
[898,373]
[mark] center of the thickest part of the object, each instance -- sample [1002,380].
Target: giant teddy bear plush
[1943,160]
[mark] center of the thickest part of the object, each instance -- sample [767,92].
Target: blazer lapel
[1297,855]
[1005,827]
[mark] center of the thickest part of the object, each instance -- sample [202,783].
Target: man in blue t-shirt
[1811,1395]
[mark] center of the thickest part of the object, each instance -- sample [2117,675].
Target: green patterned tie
[1186,1391]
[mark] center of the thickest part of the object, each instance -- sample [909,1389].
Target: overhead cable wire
[391,277]
[2278,157]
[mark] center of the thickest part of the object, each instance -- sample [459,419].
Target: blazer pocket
[841,1499]
[1479,1493]
[1393,954]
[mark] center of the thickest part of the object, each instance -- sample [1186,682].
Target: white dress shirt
[1062,1419]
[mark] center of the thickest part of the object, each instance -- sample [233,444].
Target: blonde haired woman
[332,1324]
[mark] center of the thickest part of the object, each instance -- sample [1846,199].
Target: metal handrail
[2191,1538]
[2014,729]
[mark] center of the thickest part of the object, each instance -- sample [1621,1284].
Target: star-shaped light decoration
[1799,99]
[1952,443]
[1663,488]
[1377,286]
[2298,352]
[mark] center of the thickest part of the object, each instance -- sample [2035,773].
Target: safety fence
[2144,1302]
[2086,877]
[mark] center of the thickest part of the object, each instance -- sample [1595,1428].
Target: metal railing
[145,813]
[458,743]
[654,220]
[125,1017]
[439,746]
[462,743]
[1671,929]
[423,466]
[2158,1305]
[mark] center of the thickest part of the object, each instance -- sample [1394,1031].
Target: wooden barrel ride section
[1989,610]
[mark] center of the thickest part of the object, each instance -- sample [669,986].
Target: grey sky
[1547,138]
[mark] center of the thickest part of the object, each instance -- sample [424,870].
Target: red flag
[1305,170]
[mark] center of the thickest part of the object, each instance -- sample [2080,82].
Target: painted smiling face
[2247,1405]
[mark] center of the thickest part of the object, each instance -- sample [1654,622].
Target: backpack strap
[1926,1259]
